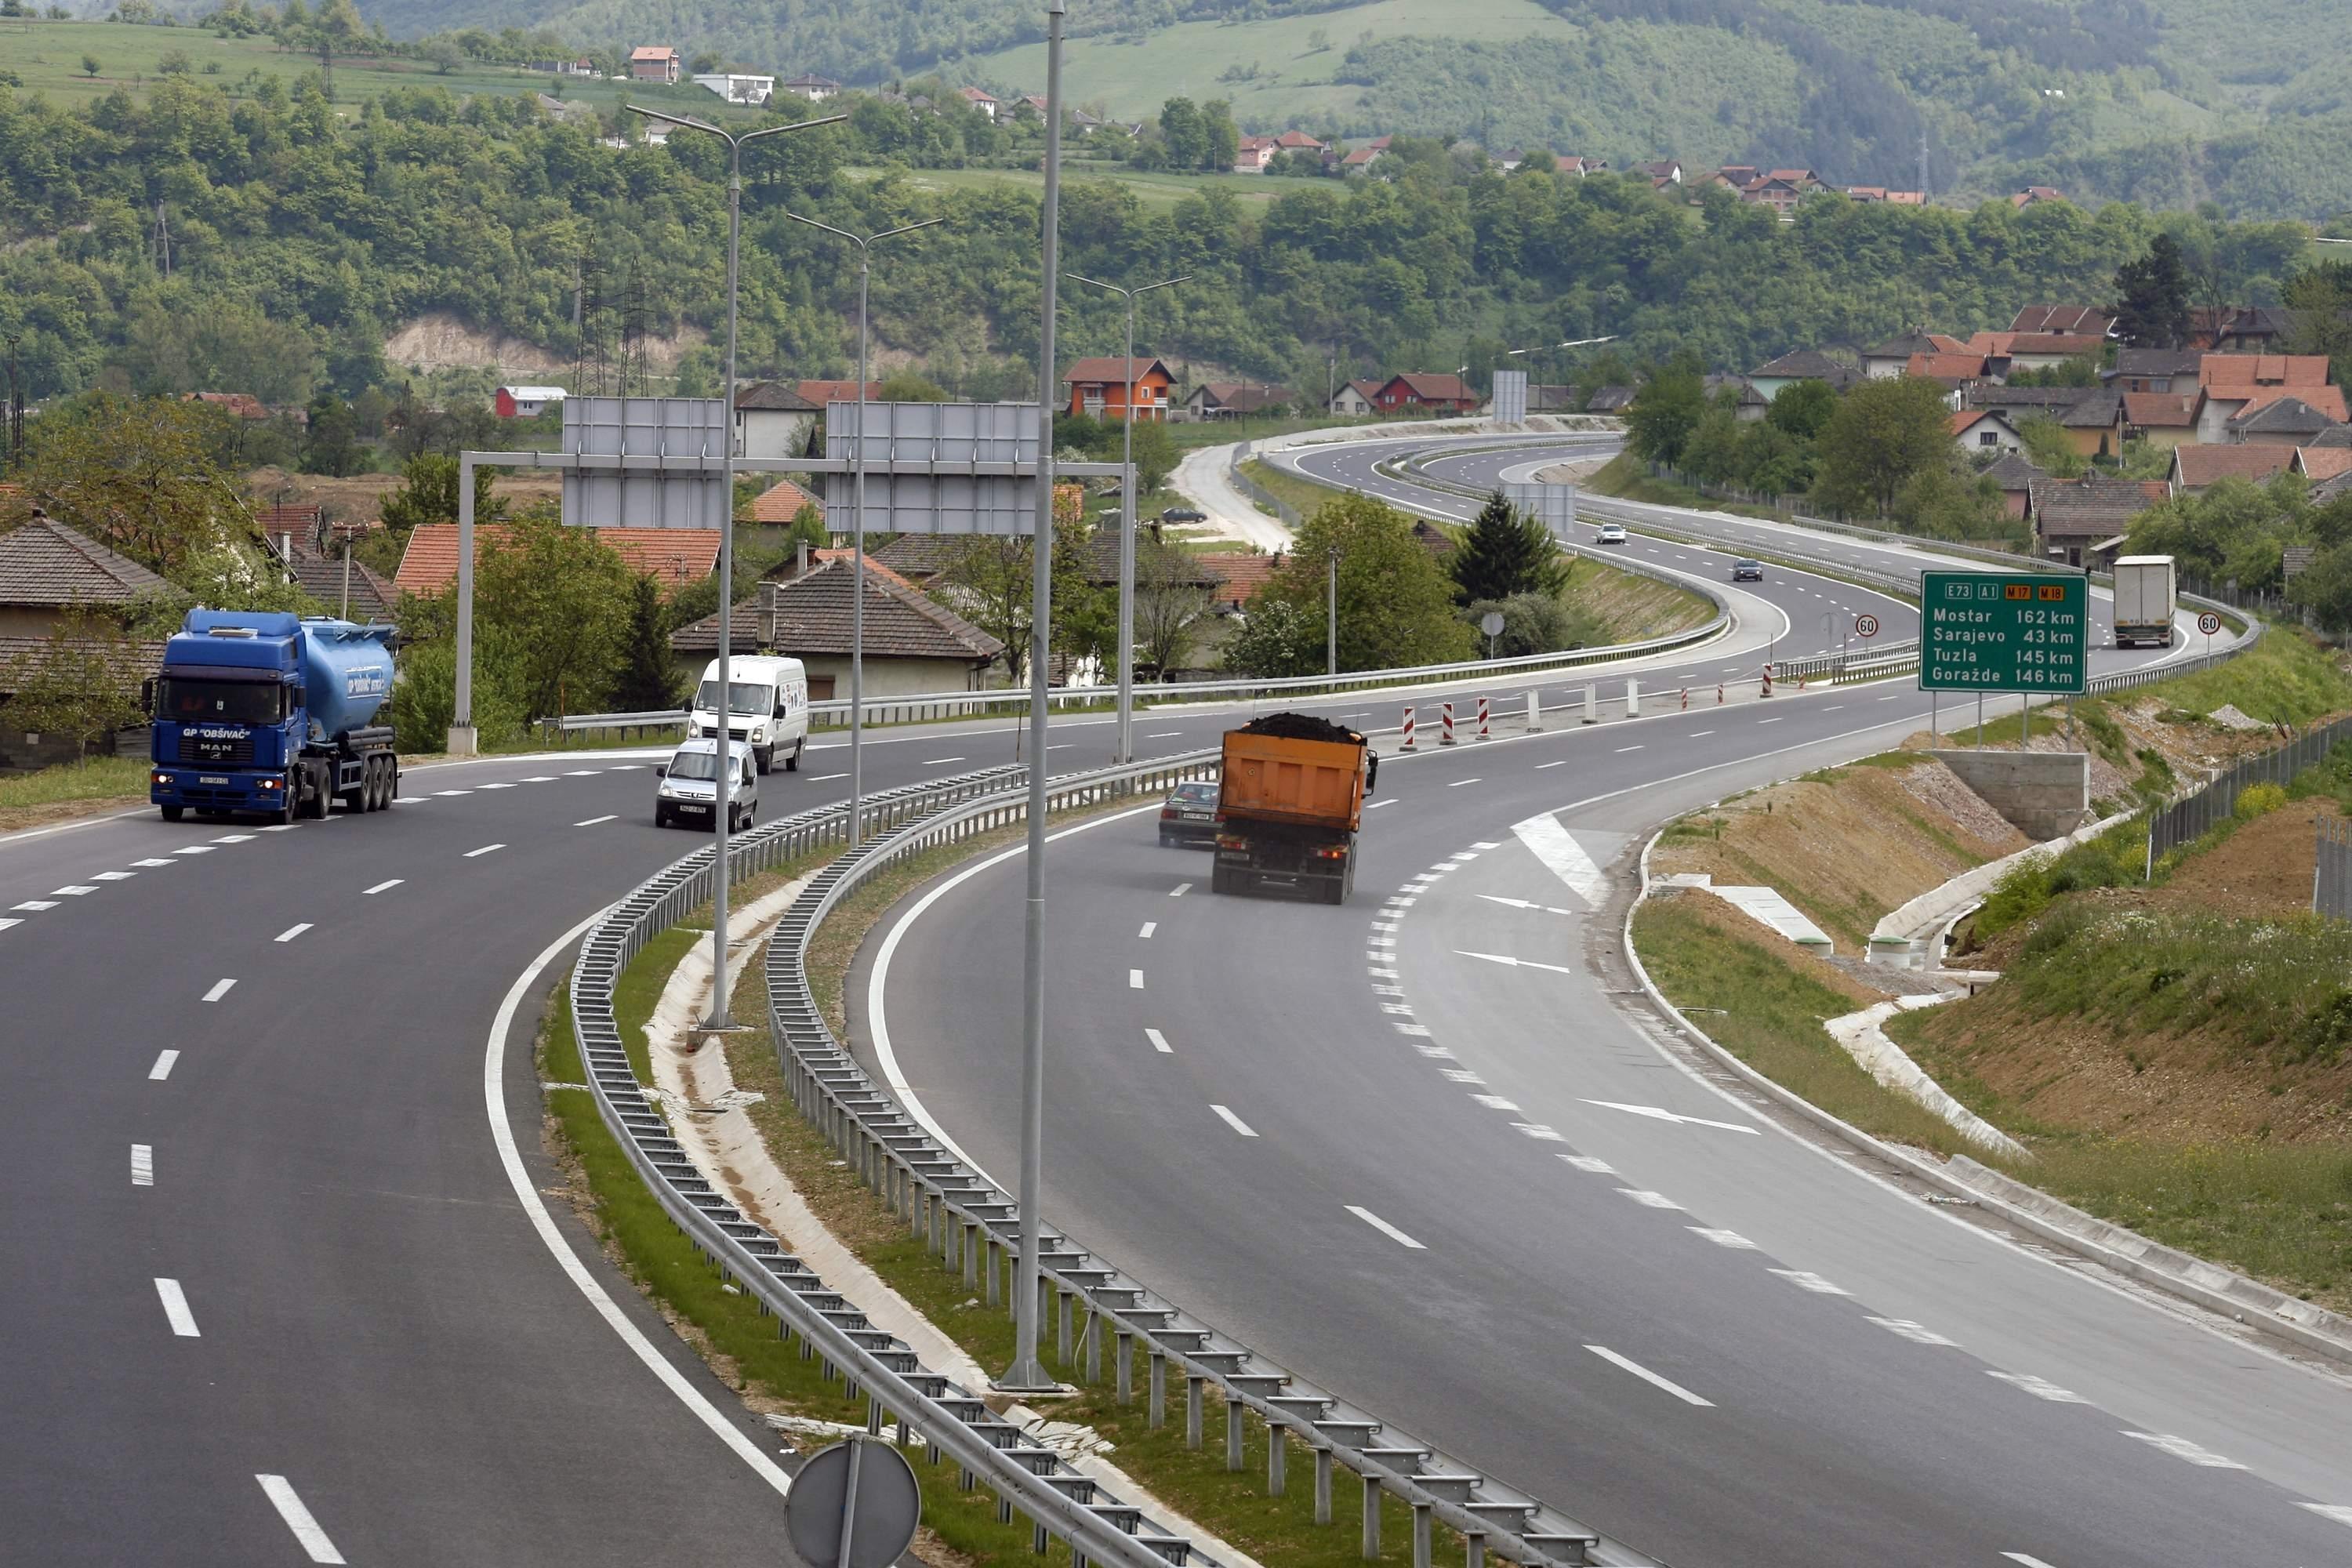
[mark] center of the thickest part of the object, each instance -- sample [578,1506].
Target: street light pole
[857,536]
[1027,1373]
[1123,748]
[1331,610]
[723,741]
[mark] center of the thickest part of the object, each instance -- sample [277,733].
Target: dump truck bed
[1300,782]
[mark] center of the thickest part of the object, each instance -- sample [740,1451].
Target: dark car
[1747,570]
[1189,815]
[1184,514]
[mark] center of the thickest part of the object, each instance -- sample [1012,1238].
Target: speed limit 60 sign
[2208,623]
[1866,625]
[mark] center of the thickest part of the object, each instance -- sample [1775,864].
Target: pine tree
[2153,308]
[1507,551]
[648,681]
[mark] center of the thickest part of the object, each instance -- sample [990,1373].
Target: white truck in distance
[2145,600]
[767,710]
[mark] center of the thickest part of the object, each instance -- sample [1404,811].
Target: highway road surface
[275,1292]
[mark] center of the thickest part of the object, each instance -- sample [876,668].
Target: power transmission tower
[163,241]
[593,314]
[636,378]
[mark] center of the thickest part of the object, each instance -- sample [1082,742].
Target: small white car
[1611,533]
[688,791]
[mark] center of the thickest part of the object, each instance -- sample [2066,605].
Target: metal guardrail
[951,1419]
[2331,871]
[967,1223]
[1243,451]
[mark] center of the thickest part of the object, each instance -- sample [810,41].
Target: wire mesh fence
[2331,876]
[2192,817]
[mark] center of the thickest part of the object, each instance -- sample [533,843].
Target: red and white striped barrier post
[1407,744]
[1446,738]
[1719,694]
[1483,732]
[1768,681]
[1685,698]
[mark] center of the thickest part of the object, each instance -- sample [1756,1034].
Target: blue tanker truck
[268,712]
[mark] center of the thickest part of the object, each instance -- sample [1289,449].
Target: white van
[688,791]
[768,710]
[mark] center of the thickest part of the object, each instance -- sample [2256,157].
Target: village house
[2081,522]
[2015,476]
[1803,365]
[1611,400]
[2163,419]
[1254,153]
[243,404]
[46,571]
[1233,399]
[2284,422]
[739,87]
[1781,189]
[525,402]
[655,62]
[1893,357]
[814,89]
[2034,196]
[1417,391]
[1983,431]
[673,557]
[1099,387]
[2197,468]
[912,642]
[2094,427]
[978,100]
[2022,402]
[1354,399]
[2066,321]
[2317,463]
[2238,384]
[773,420]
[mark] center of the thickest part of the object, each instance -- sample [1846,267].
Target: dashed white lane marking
[1135,980]
[1647,1375]
[1592,1163]
[1730,1238]
[625,768]
[194,849]
[142,1165]
[232,837]
[1457,783]
[290,932]
[1806,1280]
[541,778]
[485,850]
[1767,721]
[1385,1227]
[175,1309]
[1180,889]
[307,1533]
[449,792]
[1650,1199]
[1149,927]
[1832,707]
[574,774]
[940,762]
[1538,1131]
[1162,734]
[1376,805]
[36,905]
[1698,734]
[1159,1042]
[2337,1512]
[2040,1387]
[219,990]
[385,887]
[1623,750]
[289,826]
[1561,763]
[1656,1114]
[1896,697]
[1552,844]
[1235,1122]
[1494,1102]
[2028,1562]
[595,820]
[155,860]
[2183,1449]
[1460,1074]
[5,923]
[1918,1333]
[826,778]
[163,1067]
[113,876]
[494,787]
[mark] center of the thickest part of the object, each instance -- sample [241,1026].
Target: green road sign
[2004,631]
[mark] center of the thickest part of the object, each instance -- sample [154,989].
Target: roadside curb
[2112,1246]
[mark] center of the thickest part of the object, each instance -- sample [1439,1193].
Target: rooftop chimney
[768,613]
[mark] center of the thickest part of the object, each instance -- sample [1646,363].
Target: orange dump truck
[1288,804]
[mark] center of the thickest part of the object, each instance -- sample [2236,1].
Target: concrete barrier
[2044,795]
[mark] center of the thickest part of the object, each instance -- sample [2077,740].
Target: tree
[2324,588]
[1278,639]
[2152,297]
[2047,445]
[988,583]
[2319,314]
[137,474]
[560,600]
[1396,604]
[428,493]
[1667,410]
[906,386]
[332,445]
[648,681]
[1803,408]
[1506,552]
[1183,138]
[1155,455]
[89,65]
[1220,139]
[1883,433]
[81,681]
[1171,604]
[1534,623]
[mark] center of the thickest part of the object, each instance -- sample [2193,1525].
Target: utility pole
[1331,611]
[1123,749]
[722,774]
[858,543]
[1026,1373]
[16,407]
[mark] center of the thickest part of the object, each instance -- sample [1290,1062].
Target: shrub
[2258,800]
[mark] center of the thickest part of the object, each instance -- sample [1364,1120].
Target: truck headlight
[693,729]
[758,732]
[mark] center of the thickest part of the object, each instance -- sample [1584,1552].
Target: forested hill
[303,234]
[2245,102]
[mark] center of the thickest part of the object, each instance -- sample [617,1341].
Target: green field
[1152,189]
[1131,77]
[47,57]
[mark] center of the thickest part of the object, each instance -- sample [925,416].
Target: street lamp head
[687,121]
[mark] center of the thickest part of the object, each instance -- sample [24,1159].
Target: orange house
[1098,387]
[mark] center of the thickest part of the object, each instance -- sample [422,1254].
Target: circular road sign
[861,1489]
[2208,623]
[1491,622]
[1866,625]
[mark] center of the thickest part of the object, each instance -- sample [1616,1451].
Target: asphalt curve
[259,1228]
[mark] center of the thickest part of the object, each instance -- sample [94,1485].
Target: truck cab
[271,713]
[767,706]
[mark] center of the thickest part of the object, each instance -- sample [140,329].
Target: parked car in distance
[1184,514]
[690,785]
[1611,533]
[1189,815]
[1747,570]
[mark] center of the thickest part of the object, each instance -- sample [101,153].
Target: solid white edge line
[307,1532]
[1647,1375]
[175,1309]
[163,1067]
[1235,1122]
[1385,1227]
[502,1134]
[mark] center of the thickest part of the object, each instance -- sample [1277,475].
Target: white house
[526,402]
[737,87]
[813,87]
[978,99]
[773,420]
[1985,430]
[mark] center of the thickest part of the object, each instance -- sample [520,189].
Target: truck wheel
[1220,882]
[793,763]
[174,813]
[284,815]
[766,758]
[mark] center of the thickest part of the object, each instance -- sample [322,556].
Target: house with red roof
[1415,391]
[1100,387]
[655,62]
[673,557]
